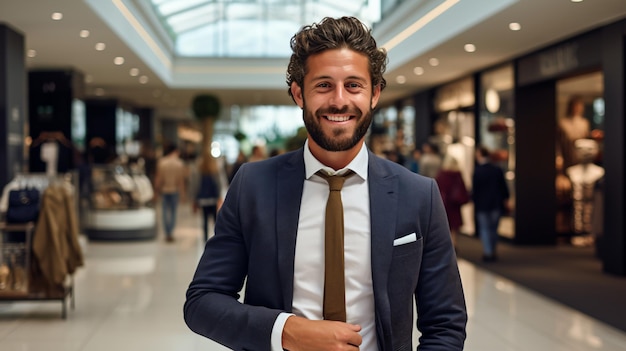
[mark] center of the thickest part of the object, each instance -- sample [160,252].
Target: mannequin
[572,127]
[584,176]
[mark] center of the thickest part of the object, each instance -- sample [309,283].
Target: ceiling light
[401,79]
[577,0]
[84,33]
[100,46]
[31,53]
[433,62]
[88,78]
[143,79]
[57,16]
[99,92]
[514,26]
[134,72]
[470,47]
[118,60]
[418,71]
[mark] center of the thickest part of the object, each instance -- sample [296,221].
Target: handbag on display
[23,206]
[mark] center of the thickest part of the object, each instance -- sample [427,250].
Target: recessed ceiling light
[577,0]
[31,53]
[514,26]
[470,47]
[134,72]
[100,46]
[118,60]
[84,33]
[57,16]
[433,62]
[418,71]
[401,79]
[143,79]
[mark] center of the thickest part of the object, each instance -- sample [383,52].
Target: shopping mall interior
[93,91]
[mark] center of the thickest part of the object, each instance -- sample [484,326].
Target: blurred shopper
[430,161]
[206,189]
[453,192]
[490,194]
[241,159]
[169,183]
[413,163]
[258,154]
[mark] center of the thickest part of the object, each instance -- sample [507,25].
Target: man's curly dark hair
[335,33]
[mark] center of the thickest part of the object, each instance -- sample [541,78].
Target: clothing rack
[20,275]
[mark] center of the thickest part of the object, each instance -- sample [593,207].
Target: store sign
[584,52]
[558,61]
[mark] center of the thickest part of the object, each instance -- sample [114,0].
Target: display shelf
[15,268]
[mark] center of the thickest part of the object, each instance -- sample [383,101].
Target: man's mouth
[337,118]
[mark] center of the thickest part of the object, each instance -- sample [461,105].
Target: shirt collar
[358,165]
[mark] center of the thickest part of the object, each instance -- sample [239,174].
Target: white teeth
[338,118]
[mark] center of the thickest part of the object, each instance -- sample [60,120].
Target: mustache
[334,110]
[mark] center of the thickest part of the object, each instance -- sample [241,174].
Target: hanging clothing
[56,251]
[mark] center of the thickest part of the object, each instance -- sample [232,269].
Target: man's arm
[441,310]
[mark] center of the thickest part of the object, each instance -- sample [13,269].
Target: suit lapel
[288,197]
[383,187]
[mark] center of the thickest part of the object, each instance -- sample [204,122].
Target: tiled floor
[129,296]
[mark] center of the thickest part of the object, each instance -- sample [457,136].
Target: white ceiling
[125,29]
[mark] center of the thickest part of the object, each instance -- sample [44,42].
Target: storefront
[569,121]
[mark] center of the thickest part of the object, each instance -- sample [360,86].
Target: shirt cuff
[277,331]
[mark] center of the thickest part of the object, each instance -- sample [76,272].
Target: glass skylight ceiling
[250,28]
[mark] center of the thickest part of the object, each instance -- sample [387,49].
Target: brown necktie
[334,271]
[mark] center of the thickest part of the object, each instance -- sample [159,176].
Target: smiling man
[310,283]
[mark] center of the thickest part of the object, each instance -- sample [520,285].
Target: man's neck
[334,159]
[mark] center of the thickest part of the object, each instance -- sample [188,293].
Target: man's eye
[353,85]
[323,85]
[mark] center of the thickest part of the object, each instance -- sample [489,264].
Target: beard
[338,139]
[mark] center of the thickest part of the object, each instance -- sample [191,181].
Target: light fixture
[514,26]
[470,47]
[401,79]
[418,71]
[31,53]
[84,33]
[100,46]
[118,60]
[57,16]
[134,72]
[433,62]
[492,100]
[143,79]
[577,0]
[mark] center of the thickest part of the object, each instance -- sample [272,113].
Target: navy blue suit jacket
[255,240]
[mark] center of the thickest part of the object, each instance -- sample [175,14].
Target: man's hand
[301,334]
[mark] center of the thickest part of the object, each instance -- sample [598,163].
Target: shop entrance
[579,166]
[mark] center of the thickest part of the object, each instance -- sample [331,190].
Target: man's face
[337,99]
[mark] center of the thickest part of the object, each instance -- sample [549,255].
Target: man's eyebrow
[360,78]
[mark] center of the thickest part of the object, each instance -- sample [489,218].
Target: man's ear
[375,96]
[296,92]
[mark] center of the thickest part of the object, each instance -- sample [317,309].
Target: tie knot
[335,182]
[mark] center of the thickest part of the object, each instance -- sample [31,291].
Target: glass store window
[497,129]
[454,134]
[453,130]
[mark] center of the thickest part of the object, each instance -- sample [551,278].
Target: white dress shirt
[308,289]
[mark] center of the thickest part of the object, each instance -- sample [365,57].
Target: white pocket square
[405,239]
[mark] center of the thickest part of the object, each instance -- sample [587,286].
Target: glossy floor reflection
[129,296]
